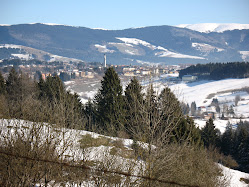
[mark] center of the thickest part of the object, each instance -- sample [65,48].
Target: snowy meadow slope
[95,153]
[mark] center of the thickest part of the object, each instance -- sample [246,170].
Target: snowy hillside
[200,90]
[27,53]
[214,27]
[100,153]
[134,46]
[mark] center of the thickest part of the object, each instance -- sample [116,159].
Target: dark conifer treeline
[217,71]
[233,142]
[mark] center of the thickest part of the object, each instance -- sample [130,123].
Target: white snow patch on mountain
[23,56]
[245,55]
[214,27]
[162,53]
[137,42]
[206,48]
[100,29]
[126,48]
[176,55]
[10,46]
[103,48]
[52,24]
[61,58]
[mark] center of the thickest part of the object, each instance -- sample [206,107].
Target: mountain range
[198,43]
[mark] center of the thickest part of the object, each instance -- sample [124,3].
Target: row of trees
[217,71]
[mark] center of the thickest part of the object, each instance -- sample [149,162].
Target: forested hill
[217,71]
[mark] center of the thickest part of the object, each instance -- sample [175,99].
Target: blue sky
[120,14]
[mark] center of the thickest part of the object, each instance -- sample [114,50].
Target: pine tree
[110,103]
[52,89]
[227,140]
[209,134]
[3,101]
[90,113]
[241,148]
[14,93]
[186,131]
[2,85]
[133,106]
[171,111]
[13,85]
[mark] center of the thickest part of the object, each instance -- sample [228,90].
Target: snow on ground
[22,56]
[61,58]
[103,49]
[126,48]
[219,124]
[205,47]
[100,153]
[214,27]
[199,90]
[69,82]
[10,46]
[136,41]
[234,177]
[176,55]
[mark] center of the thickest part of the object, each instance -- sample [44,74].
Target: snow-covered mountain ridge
[155,44]
[214,27]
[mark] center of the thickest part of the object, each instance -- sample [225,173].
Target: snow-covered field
[198,91]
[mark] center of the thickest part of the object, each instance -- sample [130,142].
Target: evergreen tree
[110,103]
[52,89]
[241,146]
[209,134]
[14,94]
[227,140]
[90,113]
[133,106]
[2,85]
[3,101]
[186,131]
[13,85]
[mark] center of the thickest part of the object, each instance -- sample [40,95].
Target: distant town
[82,70]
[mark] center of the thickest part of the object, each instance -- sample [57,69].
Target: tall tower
[104,60]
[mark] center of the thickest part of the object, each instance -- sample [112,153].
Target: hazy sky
[120,14]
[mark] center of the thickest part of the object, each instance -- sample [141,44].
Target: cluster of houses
[82,70]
